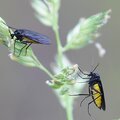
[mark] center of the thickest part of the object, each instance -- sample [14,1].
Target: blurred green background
[23,92]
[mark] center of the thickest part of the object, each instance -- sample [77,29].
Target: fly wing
[37,37]
[103,106]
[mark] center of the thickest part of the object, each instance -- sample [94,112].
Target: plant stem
[69,108]
[59,48]
[68,102]
[58,41]
[45,70]
[41,67]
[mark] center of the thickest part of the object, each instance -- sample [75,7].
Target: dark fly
[95,89]
[27,37]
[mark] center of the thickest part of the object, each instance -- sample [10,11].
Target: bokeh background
[23,92]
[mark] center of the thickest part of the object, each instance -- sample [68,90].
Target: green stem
[69,108]
[68,101]
[58,41]
[59,48]
[45,70]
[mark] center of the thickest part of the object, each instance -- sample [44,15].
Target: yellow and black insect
[95,90]
[28,37]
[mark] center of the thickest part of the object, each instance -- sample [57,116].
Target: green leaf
[28,59]
[4,34]
[85,31]
[46,11]
[65,83]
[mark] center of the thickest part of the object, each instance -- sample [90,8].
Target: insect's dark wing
[37,37]
[103,106]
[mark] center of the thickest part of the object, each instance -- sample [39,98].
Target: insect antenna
[95,67]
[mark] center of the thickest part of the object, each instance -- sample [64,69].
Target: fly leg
[90,104]
[86,97]
[27,48]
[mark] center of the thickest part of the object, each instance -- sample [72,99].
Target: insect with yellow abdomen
[95,89]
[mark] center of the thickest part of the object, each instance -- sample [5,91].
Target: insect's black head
[17,32]
[94,76]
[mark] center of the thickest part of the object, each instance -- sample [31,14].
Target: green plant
[64,81]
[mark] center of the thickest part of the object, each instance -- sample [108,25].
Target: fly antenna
[95,67]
